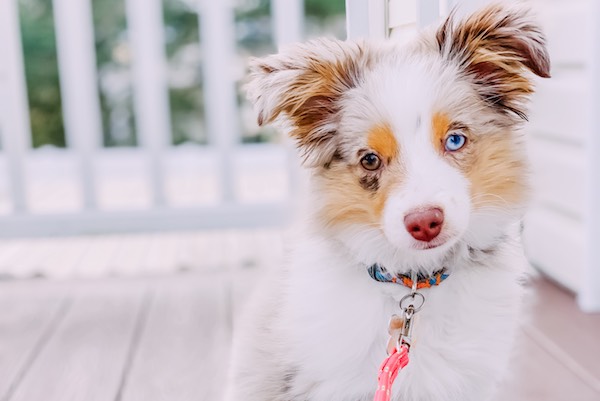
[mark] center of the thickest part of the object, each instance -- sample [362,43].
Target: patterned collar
[379,273]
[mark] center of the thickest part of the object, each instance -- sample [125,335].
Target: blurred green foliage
[182,35]
[113,63]
[183,50]
[41,72]
[324,8]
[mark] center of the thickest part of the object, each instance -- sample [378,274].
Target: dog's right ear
[302,87]
[495,47]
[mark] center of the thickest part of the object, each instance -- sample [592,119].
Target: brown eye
[370,162]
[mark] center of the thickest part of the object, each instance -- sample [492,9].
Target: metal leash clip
[410,304]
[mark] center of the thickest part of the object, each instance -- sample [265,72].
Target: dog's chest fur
[324,330]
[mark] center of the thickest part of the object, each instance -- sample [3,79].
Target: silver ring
[409,299]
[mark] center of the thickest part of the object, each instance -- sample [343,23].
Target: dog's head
[416,147]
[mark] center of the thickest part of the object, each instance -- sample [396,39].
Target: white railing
[83,129]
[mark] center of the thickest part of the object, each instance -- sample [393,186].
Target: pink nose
[424,225]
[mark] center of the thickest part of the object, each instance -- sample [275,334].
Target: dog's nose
[425,224]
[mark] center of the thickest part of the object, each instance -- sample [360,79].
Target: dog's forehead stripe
[440,123]
[382,140]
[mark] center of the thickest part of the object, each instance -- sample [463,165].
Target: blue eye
[454,142]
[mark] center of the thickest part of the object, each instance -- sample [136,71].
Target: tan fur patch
[494,164]
[304,84]
[382,140]
[495,46]
[497,171]
[346,202]
[440,123]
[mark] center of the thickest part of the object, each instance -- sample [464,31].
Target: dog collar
[380,273]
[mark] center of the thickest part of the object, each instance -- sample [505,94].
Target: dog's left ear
[495,47]
[302,87]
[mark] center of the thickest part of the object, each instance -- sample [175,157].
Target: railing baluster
[465,7]
[145,26]
[357,19]
[428,12]
[367,19]
[217,30]
[78,82]
[288,20]
[14,112]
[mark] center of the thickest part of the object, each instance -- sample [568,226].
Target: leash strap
[389,371]
[400,331]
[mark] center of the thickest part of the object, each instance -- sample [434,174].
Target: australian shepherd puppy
[418,164]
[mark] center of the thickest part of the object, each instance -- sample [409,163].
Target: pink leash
[388,371]
[400,330]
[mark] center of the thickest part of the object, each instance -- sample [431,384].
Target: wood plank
[554,314]
[49,257]
[536,376]
[8,250]
[185,343]
[96,261]
[270,248]
[86,356]
[203,251]
[29,315]
[161,257]
[27,263]
[189,249]
[69,256]
[129,258]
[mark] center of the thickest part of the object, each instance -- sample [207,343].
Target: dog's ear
[496,47]
[302,87]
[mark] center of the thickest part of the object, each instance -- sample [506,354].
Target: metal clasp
[410,305]
[406,333]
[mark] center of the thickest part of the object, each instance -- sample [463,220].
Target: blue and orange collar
[380,273]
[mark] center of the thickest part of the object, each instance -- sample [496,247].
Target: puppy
[418,164]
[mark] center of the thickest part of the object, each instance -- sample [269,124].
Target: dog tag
[395,328]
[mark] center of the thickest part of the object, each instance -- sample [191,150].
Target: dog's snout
[424,224]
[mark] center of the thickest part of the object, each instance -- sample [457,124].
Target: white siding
[555,235]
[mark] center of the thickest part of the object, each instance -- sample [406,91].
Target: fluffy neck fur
[335,312]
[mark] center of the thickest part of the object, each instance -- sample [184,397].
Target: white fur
[324,321]
[317,328]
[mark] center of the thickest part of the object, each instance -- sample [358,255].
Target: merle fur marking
[370,183]
[288,380]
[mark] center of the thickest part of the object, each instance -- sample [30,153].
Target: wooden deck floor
[167,339]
